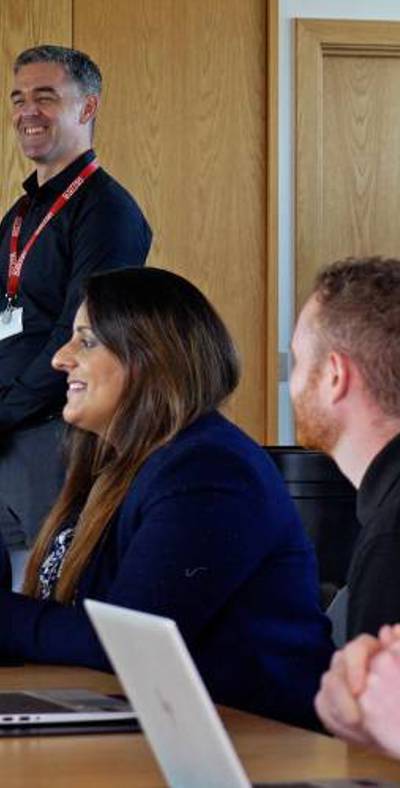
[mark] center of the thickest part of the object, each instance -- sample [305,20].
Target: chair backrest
[326,501]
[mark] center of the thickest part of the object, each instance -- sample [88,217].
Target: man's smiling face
[48,113]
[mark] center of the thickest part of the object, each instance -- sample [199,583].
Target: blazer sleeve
[205,526]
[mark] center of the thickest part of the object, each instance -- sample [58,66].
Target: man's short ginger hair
[359,315]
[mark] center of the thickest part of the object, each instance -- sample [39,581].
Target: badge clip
[7,314]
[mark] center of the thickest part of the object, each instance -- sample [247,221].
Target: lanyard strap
[16,261]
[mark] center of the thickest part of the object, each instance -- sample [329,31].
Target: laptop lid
[165,688]
[174,707]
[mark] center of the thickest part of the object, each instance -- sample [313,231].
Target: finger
[349,728]
[382,686]
[394,651]
[337,662]
[336,705]
[386,635]
[356,656]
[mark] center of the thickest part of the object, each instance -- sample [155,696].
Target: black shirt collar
[379,478]
[60,182]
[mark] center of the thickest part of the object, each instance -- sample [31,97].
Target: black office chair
[325,500]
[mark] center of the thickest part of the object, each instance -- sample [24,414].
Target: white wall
[288,10]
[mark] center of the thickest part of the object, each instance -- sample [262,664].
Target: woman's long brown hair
[180,363]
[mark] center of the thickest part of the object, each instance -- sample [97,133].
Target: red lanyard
[16,261]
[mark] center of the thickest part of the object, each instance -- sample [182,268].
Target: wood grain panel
[24,23]
[348,145]
[361,122]
[183,127]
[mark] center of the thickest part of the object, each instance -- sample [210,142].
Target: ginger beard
[314,428]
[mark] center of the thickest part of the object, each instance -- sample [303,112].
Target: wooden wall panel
[183,127]
[24,23]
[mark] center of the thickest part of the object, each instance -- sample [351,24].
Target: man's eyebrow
[40,89]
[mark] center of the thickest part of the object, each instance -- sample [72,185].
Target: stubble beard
[314,429]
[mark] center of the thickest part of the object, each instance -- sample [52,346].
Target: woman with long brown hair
[169,508]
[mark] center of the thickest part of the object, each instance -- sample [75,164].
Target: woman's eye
[88,343]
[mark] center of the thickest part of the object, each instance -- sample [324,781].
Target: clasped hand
[359,697]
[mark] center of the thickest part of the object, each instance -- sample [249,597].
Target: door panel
[347,142]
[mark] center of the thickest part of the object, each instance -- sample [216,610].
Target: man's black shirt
[101,227]
[374,574]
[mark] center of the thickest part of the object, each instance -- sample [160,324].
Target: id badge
[11,322]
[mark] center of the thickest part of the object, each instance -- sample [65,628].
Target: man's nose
[29,108]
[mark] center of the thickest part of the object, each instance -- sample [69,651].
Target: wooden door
[347,143]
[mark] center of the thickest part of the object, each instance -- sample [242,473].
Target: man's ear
[339,375]
[89,109]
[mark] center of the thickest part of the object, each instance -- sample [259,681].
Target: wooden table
[269,750]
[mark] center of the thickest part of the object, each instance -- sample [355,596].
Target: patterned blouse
[50,569]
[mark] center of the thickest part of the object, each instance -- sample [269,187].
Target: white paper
[13,325]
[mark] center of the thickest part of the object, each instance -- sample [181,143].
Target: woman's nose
[64,358]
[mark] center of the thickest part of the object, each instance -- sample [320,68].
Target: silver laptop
[173,705]
[63,711]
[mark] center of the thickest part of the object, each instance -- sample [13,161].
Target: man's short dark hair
[77,65]
[359,314]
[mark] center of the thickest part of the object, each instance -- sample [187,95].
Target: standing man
[345,388]
[74,219]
